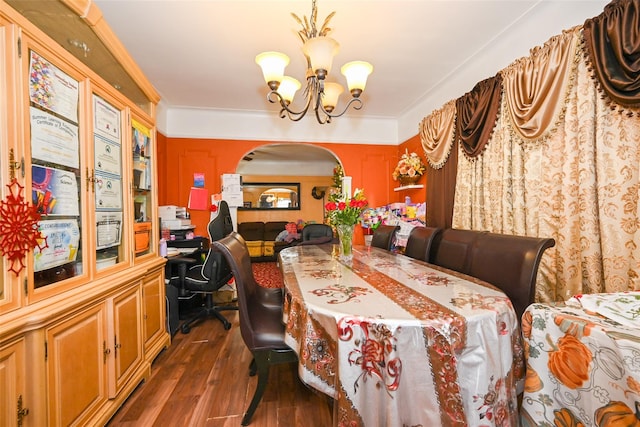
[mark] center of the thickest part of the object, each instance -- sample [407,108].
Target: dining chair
[420,242]
[316,234]
[510,263]
[261,325]
[383,236]
[452,249]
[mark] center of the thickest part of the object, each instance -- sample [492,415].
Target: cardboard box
[221,297]
[175,224]
[167,213]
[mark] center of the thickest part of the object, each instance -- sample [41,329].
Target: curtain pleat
[476,115]
[612,42]
[437,132]
[535,86]
[441,184]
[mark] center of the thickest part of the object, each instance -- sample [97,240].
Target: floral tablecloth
[397,342]
[583,367]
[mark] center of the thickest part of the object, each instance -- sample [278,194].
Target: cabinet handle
[13,165]
[105,351]
[91,179]
[116,346]
[22,412]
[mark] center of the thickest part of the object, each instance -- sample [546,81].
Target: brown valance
[535,86]
[436,134]
[612,41]
[477,114]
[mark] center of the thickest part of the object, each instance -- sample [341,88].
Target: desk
[582,368]
[398,342]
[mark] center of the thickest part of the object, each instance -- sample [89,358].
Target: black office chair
[261,323]
[383,236]
[210,276]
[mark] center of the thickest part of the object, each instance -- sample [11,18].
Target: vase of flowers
[344,213]
[409,169]
[345,236]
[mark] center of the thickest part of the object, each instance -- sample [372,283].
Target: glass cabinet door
[143,197]
[107,182]
[55,172]
[11,167]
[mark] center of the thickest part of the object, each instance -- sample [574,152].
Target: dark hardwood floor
[203,379]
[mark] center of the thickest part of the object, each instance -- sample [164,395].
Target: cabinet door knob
[22,412]
[105,351]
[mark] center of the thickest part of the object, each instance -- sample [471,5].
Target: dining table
[582,361]
[395,341]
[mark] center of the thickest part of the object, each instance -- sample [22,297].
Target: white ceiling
[200,57]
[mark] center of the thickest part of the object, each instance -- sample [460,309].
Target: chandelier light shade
[320,51]
[288,88]
[320,94]
[273,65]
[356,73]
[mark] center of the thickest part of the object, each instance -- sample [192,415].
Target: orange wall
[370,166]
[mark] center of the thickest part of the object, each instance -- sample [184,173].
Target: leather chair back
[510,263]
[316,234]
[215,268]
[420,242]
[314,231]
[452,249]
[256,319]
[383,236]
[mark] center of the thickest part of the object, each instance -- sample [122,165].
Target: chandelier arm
[356,106]
[274,97]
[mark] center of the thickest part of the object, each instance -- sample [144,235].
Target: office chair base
[185,328]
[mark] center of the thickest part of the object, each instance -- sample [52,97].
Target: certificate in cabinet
[106,119]
[63,239]
[108,192]
[54,191]
[53,89]
[107,156]
[109,227]
[54,140]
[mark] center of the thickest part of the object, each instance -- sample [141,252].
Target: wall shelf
[408,187]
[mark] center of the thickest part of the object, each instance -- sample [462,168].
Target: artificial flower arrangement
[346,210]
[409,166]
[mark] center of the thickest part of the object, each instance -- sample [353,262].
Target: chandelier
[320,94]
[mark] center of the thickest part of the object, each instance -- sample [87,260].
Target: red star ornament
[18,227]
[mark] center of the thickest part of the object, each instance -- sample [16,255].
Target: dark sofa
[261,239]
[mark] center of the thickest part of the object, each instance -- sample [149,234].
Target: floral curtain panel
[563,163]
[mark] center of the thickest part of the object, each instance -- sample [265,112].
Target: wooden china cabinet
[82,309]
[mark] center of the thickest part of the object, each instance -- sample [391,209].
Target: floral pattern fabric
[399,342]
[583,369]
